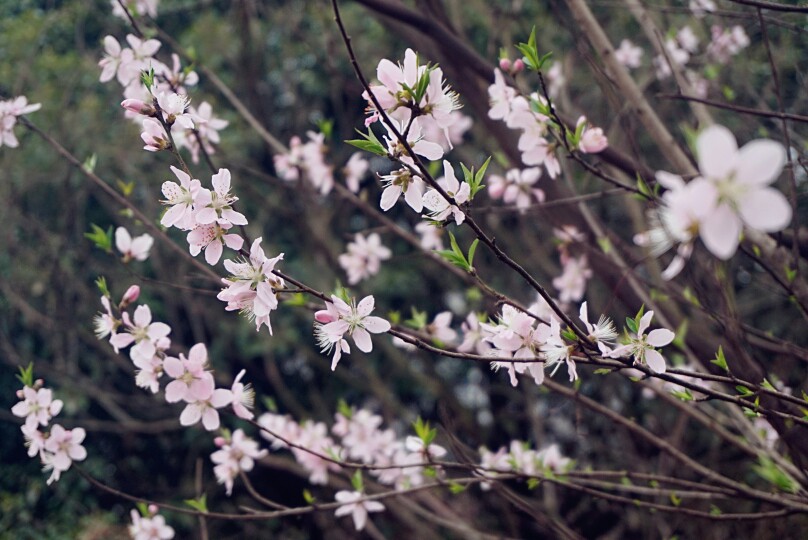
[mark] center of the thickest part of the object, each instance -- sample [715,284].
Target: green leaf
[532,483]
[101,238]
[143,508]
[326,127]
[631,324]
[530,51]
[269,404]
[356,481]
[675,499]
[424,432]
[769,471]
[456,488]
[101,283]
[605,244]
[90,163]
[602,371]
[720,361]
[369,143]
[26,375]
[344,409]
[308,497]
[683,395]
[126,187]
[472,251]
[418,320]
[790,274]
[715,511]
[767,385]
[199,504]
[744,391]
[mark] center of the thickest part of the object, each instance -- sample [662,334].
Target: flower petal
[720,232]
[718,152]
[760,162]
[765,209]
[660,337]
[655,361]
[362,340]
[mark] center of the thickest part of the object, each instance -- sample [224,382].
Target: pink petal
[375,325]
[365,307]
[660,337]
[389,197]
[718,152]
[645,321]
[765,209]
[362,340]
[760,162]
[720,232]
[655,361]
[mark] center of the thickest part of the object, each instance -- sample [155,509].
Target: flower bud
[131,295]
[505,64]
[139,107]
[518,66]
[324,317]
[153,509]
[219,441]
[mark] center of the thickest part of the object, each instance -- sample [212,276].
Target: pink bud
[219,441]
[138,106]
[518,65]
[131,295]
[153,509]
[505,64]
[324,317]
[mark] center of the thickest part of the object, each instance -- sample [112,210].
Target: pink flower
[243,397]
[364,257]
[133,248]
[212,238]
[205,409]
[402,181]
[354,170]
[357,509]
[500,96]
[192,382]
[181,199]
[62,448]
[742,179]
[339,319]
[236,455]
[592,139]
[642,347]
[571,284]
[628,54]
[37,406]
[144,333]
[149,528]
[217,204]
[440,208]
[154,136]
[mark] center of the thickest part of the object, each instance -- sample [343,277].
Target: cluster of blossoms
[207,215]
[252,285]
[364,257]
[517,187]
[571,284]
[732,192]
[517,335]
[308,160]
[338,319]
[9,111]
[165,101]
[149,525]
[192,382]
[237,453]
[410,90]
[522,113]
[521,459]
[57,448]
[679,49]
